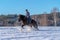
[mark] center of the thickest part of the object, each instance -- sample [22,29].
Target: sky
[34,6]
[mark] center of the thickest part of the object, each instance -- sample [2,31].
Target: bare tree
[54,11]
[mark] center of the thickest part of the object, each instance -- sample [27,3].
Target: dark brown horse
[24,21]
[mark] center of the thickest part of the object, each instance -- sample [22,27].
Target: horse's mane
[22,16]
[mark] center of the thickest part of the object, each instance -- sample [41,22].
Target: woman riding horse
[28,17]
[26,20]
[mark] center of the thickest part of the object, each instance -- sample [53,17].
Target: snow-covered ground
[15,33]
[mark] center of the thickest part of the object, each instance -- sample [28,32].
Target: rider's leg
[29,20]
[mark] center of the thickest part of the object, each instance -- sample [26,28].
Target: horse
[23,18]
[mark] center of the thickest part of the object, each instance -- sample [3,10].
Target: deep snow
[15,33]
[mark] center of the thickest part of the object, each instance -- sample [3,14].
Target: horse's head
[21,17]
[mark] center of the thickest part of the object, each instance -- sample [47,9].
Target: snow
[15,33]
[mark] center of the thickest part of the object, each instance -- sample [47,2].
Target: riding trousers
[28,20]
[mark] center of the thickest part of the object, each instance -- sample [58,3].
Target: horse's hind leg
[36,27]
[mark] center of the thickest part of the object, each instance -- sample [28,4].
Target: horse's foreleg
[31,25]
[22,26]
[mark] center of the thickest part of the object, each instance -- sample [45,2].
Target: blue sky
[34,6]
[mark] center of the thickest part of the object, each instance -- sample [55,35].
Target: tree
[54,11]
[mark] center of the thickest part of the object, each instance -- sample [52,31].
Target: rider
[28,17]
